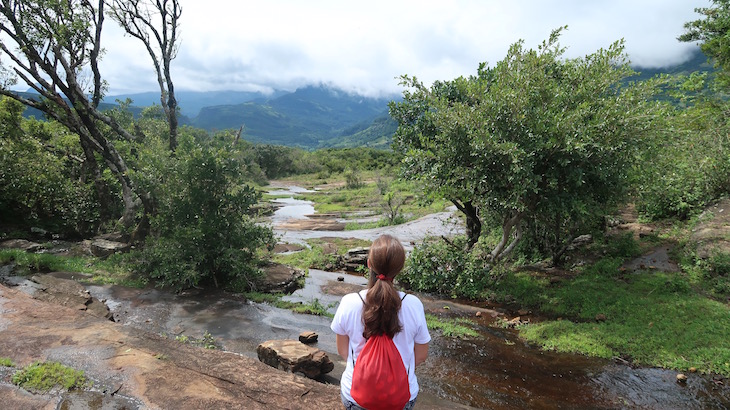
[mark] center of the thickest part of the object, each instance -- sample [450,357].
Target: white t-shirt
[348,322]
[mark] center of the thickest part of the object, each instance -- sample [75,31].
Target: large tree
[54,46]
[156,24]
[537,141]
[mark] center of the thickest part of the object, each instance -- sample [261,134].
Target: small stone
[479,314]
[308,337]
[693,370]
[681,378]
[523,312]
[340,278]
[600,317]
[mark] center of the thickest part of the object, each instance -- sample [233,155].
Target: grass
[652,319]
[43,376]
[315,257]
[314,307]
[6,362]
[103,271]
[451,327]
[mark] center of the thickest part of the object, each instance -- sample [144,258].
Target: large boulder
[295,357]
[279,278]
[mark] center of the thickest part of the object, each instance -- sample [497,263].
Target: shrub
[445,269]
[204,232]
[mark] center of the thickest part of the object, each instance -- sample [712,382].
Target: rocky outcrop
[155,372]
[23,244]
[103,247]
[295,357]
[69,293]
[280,278]
[355,260]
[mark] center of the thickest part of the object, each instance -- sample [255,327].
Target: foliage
[537,137]
[444,268]
[39,177]
[43,376]
[6,362]
[203,232]
[206,341]
[451,327]
[712,32]
[690,164]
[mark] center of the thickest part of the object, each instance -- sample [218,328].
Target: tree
[55,47]
[713,31]
[537,139]
[138,18]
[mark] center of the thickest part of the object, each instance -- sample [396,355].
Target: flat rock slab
[295,357]
[157,372]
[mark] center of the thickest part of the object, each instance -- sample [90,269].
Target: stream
[496,370]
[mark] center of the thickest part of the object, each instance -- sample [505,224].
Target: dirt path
[146,369]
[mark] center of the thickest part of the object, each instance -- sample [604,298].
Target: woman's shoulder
[411,300]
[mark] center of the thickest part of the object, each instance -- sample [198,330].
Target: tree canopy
[537,141]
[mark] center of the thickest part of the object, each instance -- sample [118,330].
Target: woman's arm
[420,352]
[343,346]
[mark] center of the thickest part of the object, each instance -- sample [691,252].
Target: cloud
[364,46]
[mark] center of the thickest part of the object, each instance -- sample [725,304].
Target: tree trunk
[473,223]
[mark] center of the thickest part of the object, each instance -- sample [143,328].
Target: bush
[203,233]
[445,269]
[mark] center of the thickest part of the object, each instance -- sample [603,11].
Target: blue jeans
[352,406]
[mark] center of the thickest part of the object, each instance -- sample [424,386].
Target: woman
[381,310]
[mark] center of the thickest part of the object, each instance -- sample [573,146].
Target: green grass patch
[43,376]
[653,319]
[451,327]
[315,257]
[314,307]
[6,362]
[112,270]
[206,341]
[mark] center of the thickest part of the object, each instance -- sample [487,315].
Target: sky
[363,46]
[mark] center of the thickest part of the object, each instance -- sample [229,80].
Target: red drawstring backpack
[380,380]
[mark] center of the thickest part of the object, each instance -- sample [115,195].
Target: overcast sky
[362,46]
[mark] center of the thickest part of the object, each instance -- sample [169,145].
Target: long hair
[382,303]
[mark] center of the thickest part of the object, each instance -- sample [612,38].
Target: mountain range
[311,117]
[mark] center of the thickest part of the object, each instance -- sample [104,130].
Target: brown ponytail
[382,303]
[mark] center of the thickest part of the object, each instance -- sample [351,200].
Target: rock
[69,293]
[340,278]
[104,247]
[295,357]
[681,378]
[279,278]
[23,244]
[580,241]
[38,231]
[478,314]
[308,337]
[356,259]
[693,370]
[600,317]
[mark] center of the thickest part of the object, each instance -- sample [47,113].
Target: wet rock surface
[279,278]
[150,370]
